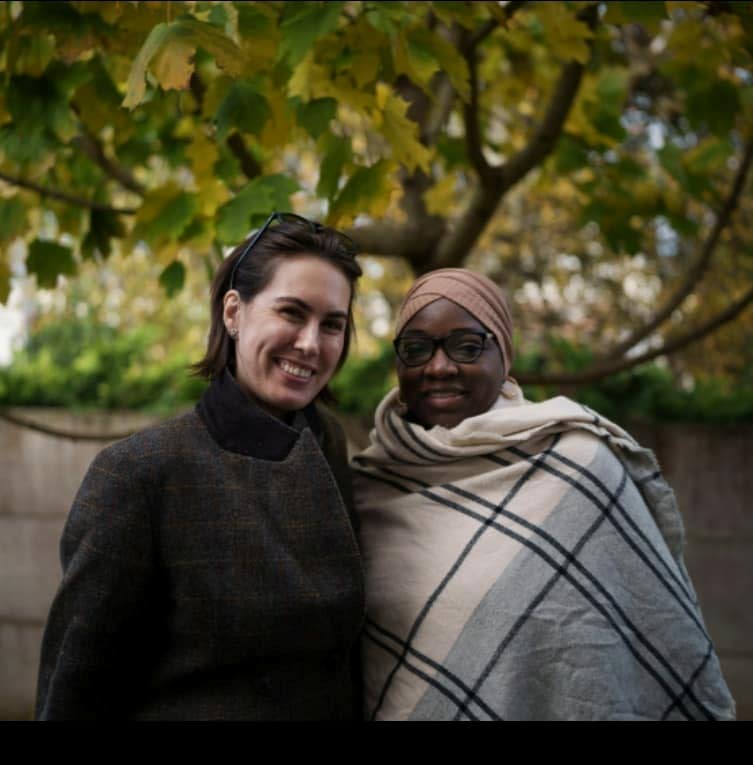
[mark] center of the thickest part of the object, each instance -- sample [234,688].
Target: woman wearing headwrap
[523,561]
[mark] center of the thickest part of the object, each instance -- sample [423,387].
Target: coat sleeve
[92,657]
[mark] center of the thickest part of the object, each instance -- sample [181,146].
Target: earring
[233,332]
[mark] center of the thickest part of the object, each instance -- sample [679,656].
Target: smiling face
[290,335]
[442,391]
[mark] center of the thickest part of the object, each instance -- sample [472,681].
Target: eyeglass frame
[313,226]
[436,342]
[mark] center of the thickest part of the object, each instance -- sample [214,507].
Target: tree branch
[672,345]
[545,137]
[251,168]
[486,198]
[695,274]
[90,146]
[63,196]
[479,35]
[409,240]
[473,140]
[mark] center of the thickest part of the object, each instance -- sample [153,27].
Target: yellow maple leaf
[447,56]
[364,67]
[203,153]
[309,79]
[278,127]
[566,36]
[373,198]
[440,197]
[167,252]
[173,65]
[400,132]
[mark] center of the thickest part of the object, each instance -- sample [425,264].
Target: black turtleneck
[240,425]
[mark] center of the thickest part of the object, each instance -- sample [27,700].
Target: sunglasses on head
[312,227]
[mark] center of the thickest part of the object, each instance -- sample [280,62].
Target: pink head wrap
[477,294]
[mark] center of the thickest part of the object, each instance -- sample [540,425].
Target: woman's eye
[334,326]
[291,312]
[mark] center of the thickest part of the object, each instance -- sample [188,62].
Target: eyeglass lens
[462,347]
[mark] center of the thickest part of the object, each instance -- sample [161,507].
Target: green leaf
[648,13]
[12,218]
[316,115]
[362,187]
[185,35]
[47,260]
[570,155]
[244,108]
[255,202]
[254,21]
[164,215]
[389,17]
[303,25]
[708,156]
[454,150]
[446,57]
[136,85]
[173,277]
[714,103]
[103,226]
[337,152]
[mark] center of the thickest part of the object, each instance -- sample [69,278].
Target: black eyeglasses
[347,244]
[462,346]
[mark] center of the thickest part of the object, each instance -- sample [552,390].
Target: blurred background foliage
[590,157]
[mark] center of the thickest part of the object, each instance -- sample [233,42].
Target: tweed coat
[211,571]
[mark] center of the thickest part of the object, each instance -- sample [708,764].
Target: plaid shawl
[526,564]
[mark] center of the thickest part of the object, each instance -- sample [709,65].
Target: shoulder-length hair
[251,270]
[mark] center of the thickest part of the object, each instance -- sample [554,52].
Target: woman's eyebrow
[303,305]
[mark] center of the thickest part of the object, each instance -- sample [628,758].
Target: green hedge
[77,363]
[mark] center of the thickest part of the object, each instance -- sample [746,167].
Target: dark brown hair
[255,272]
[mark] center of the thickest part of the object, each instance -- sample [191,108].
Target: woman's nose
[307,339]
[440,365]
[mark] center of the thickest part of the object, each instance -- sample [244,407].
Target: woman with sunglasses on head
[210,565]
[523,561]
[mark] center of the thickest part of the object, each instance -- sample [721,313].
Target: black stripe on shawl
[374,477]
[689,684]
[545,590]
[597,482]
[431,449]
[434,665]
[639,553]
[561,571]
[404,443]
[415,670]
[394,457]
[448,576]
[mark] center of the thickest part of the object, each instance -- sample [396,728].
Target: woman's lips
[298,372]
[443,397]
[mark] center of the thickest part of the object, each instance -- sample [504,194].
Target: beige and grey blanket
[526,564]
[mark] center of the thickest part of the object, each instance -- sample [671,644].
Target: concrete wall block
[19,664]
[29,566]
[738,672]
[41,473]
[722,574]
[709,469]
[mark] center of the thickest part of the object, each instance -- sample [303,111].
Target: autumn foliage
[591,157]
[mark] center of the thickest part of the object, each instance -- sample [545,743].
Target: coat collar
[240,425]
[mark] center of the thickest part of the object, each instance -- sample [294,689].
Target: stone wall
[709,468]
